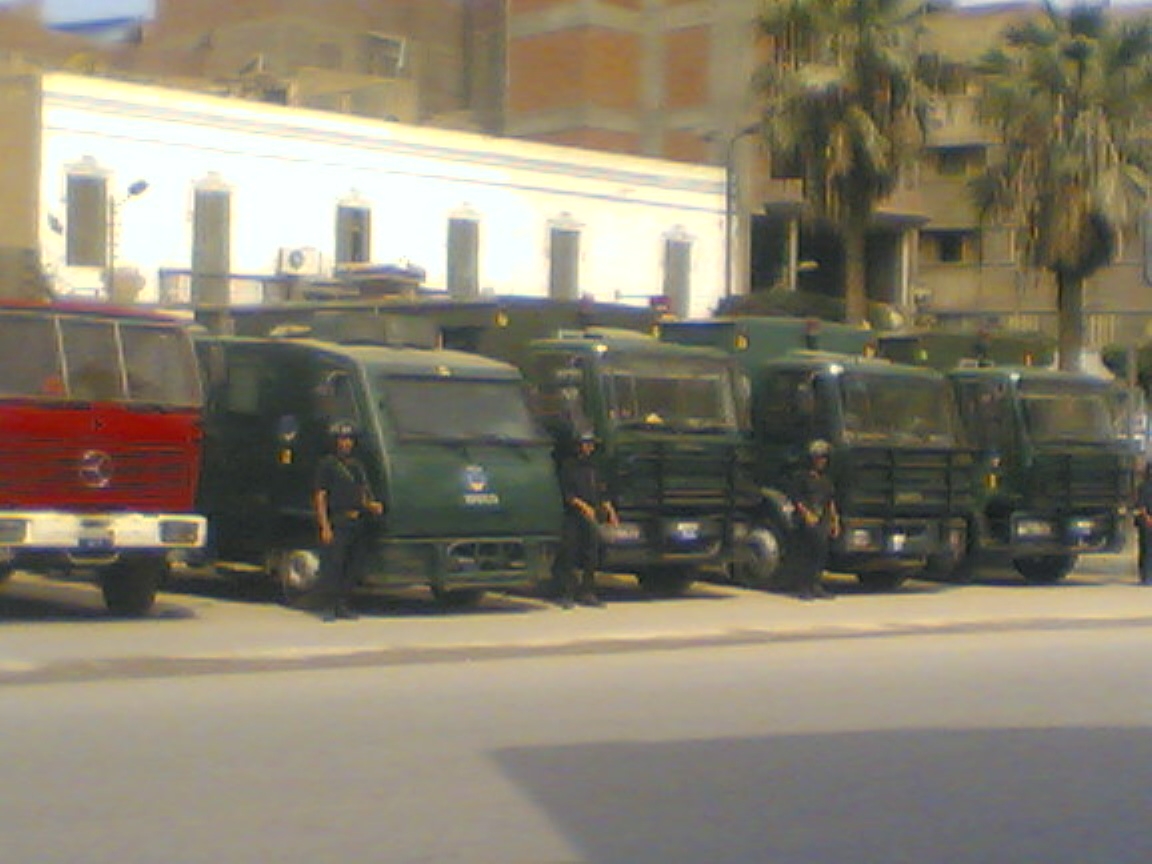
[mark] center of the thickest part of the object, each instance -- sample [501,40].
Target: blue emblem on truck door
[476,489]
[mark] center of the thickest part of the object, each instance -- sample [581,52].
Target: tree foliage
[1067,93]
[844,100]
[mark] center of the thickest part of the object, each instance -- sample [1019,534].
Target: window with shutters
[463,257]
[353,234]
[677,270]
[564,263]
[87,229]
[212,244]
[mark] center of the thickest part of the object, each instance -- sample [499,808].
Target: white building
[194,192]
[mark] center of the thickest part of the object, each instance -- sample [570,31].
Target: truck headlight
[1083,527]
[13,530]
[1034,529]
[861,539]
[179,532]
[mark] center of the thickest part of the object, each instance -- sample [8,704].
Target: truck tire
[297,572]
[6,571]
[759,561]
[1044,569]
[666,581]
[129,585]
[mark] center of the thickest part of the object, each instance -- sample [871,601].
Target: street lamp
[136,189]
[730,189]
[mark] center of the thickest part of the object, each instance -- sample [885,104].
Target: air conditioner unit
[299,261]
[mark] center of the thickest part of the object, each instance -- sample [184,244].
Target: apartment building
[672,78]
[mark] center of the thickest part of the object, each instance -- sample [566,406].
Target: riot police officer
[817,521]
[342,499]
[585,509]
[1143,517]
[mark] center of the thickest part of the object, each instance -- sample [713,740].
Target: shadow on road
[960,796]
[71,597]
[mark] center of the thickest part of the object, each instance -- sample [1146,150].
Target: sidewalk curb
[355,657]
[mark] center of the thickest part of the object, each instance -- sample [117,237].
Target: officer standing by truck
[342,500]
[585,509]
[1143,516]
[816,520]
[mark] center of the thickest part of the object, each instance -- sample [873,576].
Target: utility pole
[136,189]
[731,201]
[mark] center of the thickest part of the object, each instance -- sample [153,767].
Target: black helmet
[343,429]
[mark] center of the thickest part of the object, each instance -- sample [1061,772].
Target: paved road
[1029,747]
[53,630]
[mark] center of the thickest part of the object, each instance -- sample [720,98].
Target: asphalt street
[57,630]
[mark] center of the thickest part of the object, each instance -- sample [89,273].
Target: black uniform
[345,483]
[1143,510]
[813,489]
[580,537]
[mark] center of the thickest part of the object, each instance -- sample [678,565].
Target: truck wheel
[129,585]
[882,580]
[1044,569]
[298,573]
[666,581]
[758,562]
[6,571]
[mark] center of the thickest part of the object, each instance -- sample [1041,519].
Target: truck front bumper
[886,543]
[99,535]
[1031,533]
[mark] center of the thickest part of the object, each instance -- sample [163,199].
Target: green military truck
[467,478]
[1057,472]
[1058,476]
[945,349]
[904,478]
[671,421]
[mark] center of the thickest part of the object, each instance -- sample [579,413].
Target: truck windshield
[688,394]
[457,410]
[897,410]
[90,359]
[1066,411]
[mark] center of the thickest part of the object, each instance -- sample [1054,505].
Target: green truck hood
[477,490]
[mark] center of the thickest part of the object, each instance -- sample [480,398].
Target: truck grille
[1079,480]
[42,473]
[486,556]
[875,481]
[674,475]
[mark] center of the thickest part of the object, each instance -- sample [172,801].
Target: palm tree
[843,97]
[1068,94]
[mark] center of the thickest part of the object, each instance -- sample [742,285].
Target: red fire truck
[100,434]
